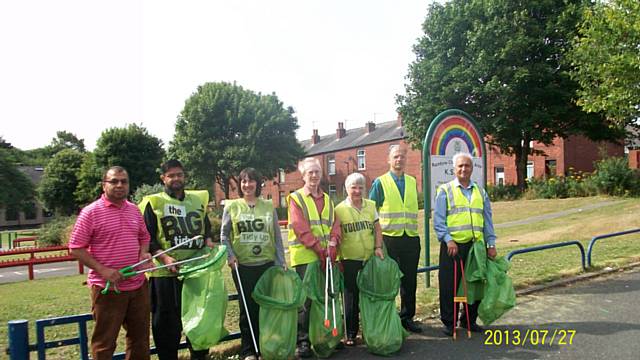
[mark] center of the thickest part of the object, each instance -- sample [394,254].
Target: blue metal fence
[600,237]
[550,246]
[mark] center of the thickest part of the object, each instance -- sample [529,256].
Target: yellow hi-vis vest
[178,221]
[252,236]
[465,220]
[398,216]
[320,226]
[358,232]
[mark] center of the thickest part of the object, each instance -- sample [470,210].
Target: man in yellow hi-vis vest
[314,234]
[173,216]
[462,215]
[396,197]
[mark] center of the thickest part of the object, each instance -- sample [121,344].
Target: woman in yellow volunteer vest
[361,238]
[314,234]
[254,244]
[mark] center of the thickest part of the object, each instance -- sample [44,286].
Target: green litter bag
[321,338]
[379,282]
[279,294]
[204,298]
[499,294]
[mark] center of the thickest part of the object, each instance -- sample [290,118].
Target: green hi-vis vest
[320,226]
[252,237]
[358,233]
[398,216]
[178,221]
[465,220]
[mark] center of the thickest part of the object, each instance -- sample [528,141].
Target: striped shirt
[113,235]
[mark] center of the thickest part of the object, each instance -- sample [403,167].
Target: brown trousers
[129,309]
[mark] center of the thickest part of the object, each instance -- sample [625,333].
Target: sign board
[452,132]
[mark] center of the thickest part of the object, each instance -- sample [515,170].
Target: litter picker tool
[246,310]
[334,332]
[460,299]
[327,322]
[129,271]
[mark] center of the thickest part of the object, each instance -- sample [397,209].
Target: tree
[89,180]
[59,182]
[133,148]
[17,189]
[224,128]
[606,57]
[502,62]
[65,140]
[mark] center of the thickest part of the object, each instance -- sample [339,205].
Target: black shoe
[340,346]
[447,330]
[410,325]
[475,328]
[304,350]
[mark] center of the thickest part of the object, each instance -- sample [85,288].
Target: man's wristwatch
[491,246]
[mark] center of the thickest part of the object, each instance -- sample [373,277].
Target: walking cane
[246,310]
[460,299]
[327,322]
[334,332]
[129,271]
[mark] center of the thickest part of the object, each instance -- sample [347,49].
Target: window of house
[283,199]
[333,193]
[530,173]
[362,161]
[281,175]
[331,165]
[30,211]
[550,168]
[499,171]
[11,213]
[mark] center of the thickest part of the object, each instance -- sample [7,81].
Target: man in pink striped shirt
[110,234]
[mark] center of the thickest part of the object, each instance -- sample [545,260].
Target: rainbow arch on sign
[456,127]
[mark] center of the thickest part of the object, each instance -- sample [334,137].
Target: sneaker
[250,357]
[411,326]
[447,330]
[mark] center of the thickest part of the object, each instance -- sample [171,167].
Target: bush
[614,177]
[144,190]
[57,231]
[503,192]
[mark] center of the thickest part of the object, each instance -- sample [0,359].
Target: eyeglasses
[117,181]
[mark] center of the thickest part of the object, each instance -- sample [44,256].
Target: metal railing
[19,347]
[606,236]
[550,246]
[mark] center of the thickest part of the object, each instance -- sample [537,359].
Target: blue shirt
[440,214]
[377,193]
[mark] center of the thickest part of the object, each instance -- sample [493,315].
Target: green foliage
[503,192]
[90,180]
[133,148]
[145,190]
[501,62]
[57,231]
[64,140]
[16,190]
[224,128]
[60,181]
[216,225]
[606,60]
[614,177]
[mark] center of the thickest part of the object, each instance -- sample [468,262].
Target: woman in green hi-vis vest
[361,238]
[254,244]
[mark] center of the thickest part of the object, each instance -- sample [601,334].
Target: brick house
[365,150]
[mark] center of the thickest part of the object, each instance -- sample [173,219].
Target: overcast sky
[84,66]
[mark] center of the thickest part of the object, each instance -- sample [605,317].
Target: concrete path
[555,215]
[603,315]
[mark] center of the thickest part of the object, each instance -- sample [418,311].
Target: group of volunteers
[112,233]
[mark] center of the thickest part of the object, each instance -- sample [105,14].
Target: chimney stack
[370,126]
[399,120]
[340,131]
[315,138]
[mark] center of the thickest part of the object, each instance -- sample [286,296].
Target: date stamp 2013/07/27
[534,337]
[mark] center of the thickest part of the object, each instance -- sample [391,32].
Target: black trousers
[249,275]
[303,313]
[405,250]
[352,296]
[445,280]
[166,321]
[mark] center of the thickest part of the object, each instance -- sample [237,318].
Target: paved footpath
[603,312]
